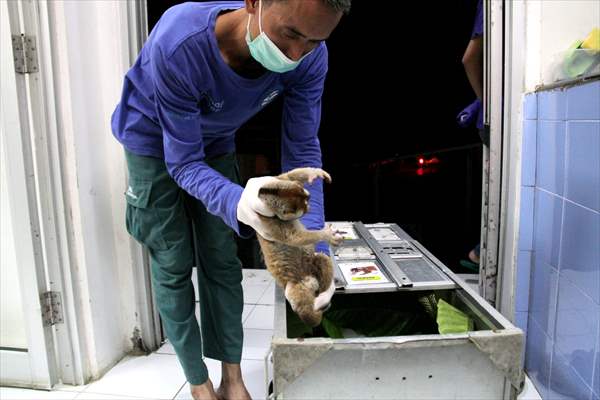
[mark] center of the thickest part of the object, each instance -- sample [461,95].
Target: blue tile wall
[547,226]
[576,328]
[523,278]
[564,382]
[542,296]
[583,163]
[526,218]
[580,249]
[549,172]
[528,153]
[552,105]
[596,380]
[557,298]
[530,107]
[538,357]
[583,102]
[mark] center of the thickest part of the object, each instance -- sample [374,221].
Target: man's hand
[250,206]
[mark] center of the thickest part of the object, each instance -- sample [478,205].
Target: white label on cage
[354,253]
[363,272]
[383,234]
[346,229]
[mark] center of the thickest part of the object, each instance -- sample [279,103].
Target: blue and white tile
[255,283]
[582,176]
[547,227]
[576,328]
[552,105]
[261,318]
[268,297]
[543,296]
[7,393]
[256,277]
[565,383]
[104,396]
[253,293]
[526,218]
[550,156]
[530,106]
[528,153]
[583,102]
[596,380]
[580,249]
[257,343]
[523,281]
[157,376]
[538,357]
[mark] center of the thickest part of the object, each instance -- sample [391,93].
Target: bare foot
[473,257]
[233,391]
[204,391]
[232,385]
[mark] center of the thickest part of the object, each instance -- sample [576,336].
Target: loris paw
[333,237]
[314,173]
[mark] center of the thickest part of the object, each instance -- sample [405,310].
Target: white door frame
[492,155]
[504,40]
[23,138]
[514,87]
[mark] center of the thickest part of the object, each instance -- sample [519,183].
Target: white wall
[90,47]
[552,26]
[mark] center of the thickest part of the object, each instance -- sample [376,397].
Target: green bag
[452,320]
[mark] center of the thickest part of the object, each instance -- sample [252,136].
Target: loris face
[288,200]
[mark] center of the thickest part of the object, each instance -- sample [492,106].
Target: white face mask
[266,52]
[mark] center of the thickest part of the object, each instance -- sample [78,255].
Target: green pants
[180,234]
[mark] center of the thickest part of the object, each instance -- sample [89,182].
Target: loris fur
[291,257]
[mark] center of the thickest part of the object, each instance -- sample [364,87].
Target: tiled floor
[159,376]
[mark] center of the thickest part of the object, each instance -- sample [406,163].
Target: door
[26,344]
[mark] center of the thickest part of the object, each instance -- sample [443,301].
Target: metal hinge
[52,310]
[25,54]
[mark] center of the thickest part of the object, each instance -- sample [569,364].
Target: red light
[421,161]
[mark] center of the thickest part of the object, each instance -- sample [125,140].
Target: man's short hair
[337,5]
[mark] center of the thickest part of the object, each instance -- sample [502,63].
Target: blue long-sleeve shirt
[183,103]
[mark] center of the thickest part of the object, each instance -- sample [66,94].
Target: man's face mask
[266,52]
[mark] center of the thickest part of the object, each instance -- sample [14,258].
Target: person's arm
[176,99]
[300,145]
[473,63]
[473,57]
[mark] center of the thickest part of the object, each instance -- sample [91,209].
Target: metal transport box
[380,262]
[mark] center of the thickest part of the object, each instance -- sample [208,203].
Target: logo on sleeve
[270,97]
[207,104]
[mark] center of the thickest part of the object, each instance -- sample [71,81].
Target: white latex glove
[250,205]
[323,299]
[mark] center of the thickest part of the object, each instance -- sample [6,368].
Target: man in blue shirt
[205,69]
[473,63]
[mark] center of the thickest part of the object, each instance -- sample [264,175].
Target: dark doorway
[388,133]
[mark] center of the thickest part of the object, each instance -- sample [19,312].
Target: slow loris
[291,257]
